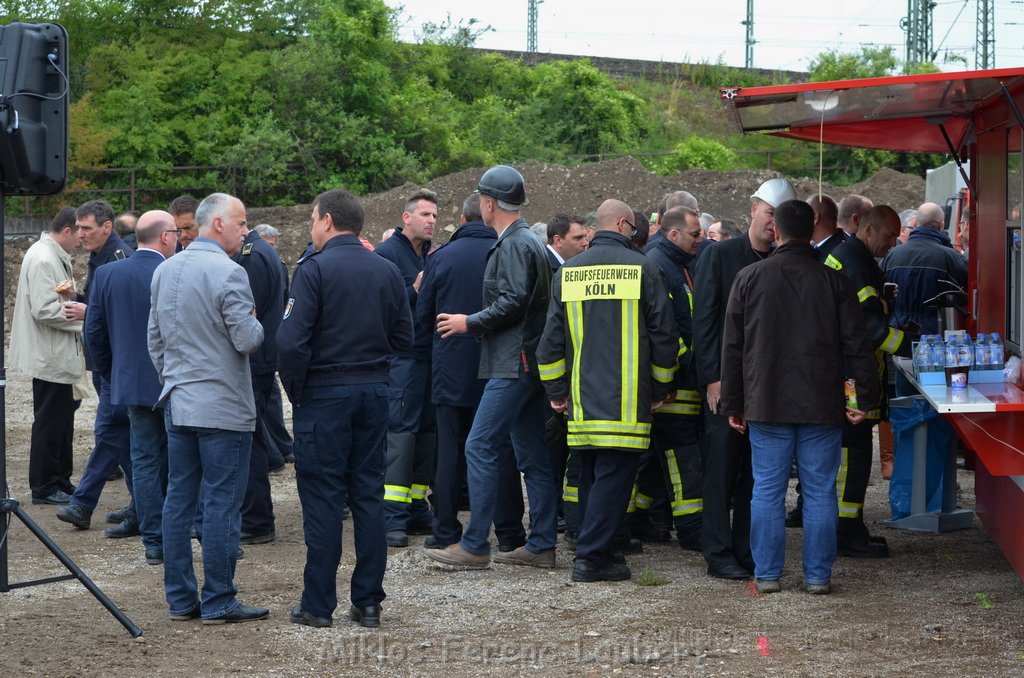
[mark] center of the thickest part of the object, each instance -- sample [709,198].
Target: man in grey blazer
[202,327]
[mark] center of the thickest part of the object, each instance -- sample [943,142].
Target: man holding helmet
[517,287]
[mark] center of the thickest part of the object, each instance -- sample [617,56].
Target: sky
[788,35]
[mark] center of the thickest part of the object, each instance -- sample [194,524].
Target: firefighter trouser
[675,444]
[411,441]
[854,473]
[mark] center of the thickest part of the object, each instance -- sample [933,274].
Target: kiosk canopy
[900,113]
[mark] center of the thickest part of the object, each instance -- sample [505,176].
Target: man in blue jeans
[347,315]
[517,287]
[202,327]
[115,329]
[793,333]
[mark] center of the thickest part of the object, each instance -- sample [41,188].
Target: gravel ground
[942,605]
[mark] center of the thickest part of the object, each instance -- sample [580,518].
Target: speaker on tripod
[33,161]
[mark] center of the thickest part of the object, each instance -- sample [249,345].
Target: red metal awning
[900,113]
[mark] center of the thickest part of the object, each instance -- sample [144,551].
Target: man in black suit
[116,330]
[567,237]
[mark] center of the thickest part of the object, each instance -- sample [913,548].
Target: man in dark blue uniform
[348,313]
[116,331]
[452,281]
[267,281]
[412,431]
[94,224]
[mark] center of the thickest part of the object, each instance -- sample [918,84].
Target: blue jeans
[216,463]
[515,407]
[339,457]
[112,449]
[149,471]
[817,450]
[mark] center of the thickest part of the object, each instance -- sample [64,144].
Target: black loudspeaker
[33,108]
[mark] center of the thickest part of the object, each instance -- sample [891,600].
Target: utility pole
[749,23]
[531,25]
[920,35]
[985,41]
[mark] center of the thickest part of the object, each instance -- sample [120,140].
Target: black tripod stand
[9,506]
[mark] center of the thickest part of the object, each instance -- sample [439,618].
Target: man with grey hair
[202,327]
[908,222]
[268,233]
[922,268]
[852,209]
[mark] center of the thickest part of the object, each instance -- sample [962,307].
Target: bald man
[610,310]
[923,267]
[115,329]
[827,234]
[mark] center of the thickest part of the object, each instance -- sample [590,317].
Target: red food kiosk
[974,116]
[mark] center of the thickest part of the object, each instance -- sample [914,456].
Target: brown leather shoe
[523,556]
[457,556]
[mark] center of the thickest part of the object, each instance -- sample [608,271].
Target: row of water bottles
[985,352]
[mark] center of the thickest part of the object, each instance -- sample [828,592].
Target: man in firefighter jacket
[856,259]
[608,358]
[675,448]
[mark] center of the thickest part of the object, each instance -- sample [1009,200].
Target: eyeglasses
[176,231]
[630,224]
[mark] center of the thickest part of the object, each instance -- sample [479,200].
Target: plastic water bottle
[923,355]
[964,352]
[996,351]
[982,352]
[938,351]
[951,357]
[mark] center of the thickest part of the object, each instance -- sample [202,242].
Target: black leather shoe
[249,538]
[59,497]
[368,616]
[116,474]
[795,518]
[585,571]
[299,616]
[154,556]
[694,543]
[397,538]
[240,614]
[570,537]
[419,528]
[115,517]
[433,542]
[76,515]
[862,548]
[126,528]
[728,571]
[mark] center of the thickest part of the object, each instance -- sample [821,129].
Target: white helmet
[775,192]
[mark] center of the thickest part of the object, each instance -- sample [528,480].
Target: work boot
[524,556]
[457,556]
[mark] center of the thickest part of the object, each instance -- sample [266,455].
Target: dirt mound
[552,189]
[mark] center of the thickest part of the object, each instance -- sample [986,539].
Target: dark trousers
[728,484]
[257,506]
[275,430]
[606,481]
[51,456]
[112,449]
[411,443]
[854,474]
[339,458]
[453,426]
[676,443]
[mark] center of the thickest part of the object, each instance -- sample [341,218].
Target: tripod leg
[44,538]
